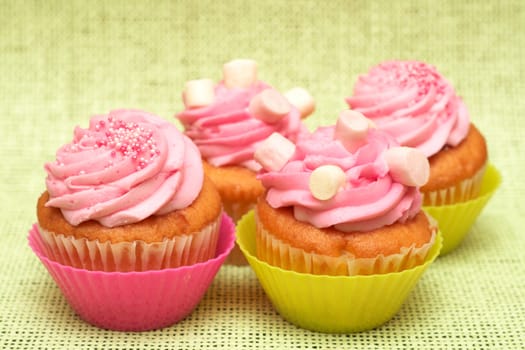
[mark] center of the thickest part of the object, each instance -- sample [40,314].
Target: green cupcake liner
[331,304]
[455,220]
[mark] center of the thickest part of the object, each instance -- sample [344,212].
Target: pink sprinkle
[129,139]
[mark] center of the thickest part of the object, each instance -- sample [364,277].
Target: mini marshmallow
[199,93]
[408,166]
[352,129]
[302,100]
[269,106]
[239,73]
[274,152]
[325,181]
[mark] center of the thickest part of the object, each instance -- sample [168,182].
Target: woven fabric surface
[62,61]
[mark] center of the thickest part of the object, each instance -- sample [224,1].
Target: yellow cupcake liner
[331,304]
[463,191]
[455,220]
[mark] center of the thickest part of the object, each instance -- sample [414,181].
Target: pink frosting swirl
[227,134]
[125,167]
[370,198]
[413,102]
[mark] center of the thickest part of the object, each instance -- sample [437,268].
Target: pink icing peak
[414,102]
[125,167]
[370,197]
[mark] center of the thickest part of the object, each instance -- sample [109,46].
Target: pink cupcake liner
[136,301]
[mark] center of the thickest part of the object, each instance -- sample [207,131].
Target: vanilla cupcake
[128,194]
[340,220]
[413,102]
[229,119]
[343,201]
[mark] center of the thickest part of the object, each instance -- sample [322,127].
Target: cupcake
[413,102]
[342,216]
[343,202]
[128,194]
[229,119]
[129,226]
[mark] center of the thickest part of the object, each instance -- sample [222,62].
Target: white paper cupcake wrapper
[132,256]
[463,191]
[278,253]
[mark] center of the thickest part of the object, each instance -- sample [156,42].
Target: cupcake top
[414,102]
[229,119]
[349,176]
[126,166]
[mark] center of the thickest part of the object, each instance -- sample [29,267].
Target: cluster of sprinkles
[408,74]
[128,139]
[125,139]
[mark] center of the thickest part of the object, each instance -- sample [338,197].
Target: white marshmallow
[274,152]
[352,129]
[240,73]
[408,166]
[302,100]
[325,181]
[269,106]
[199,93]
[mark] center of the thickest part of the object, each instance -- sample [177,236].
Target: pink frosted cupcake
[128,194]
[130,228]
[229,119]
[413,102]
[344,201]
[339,239]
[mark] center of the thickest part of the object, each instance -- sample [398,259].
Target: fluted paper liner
[132,256]
[333,304]
[136,301]
[278,253]
[455,220]
[465,190]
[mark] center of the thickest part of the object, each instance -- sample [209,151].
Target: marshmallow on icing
[199,93]
[352,129]
[239,73]
[269,106]
[325,181]
[302,100]
[274,152]
[408,166]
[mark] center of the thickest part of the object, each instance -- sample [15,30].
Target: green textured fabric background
[62,61]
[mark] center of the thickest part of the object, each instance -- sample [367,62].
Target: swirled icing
[125,167]
[370,198]
[227,133]
[414,102]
